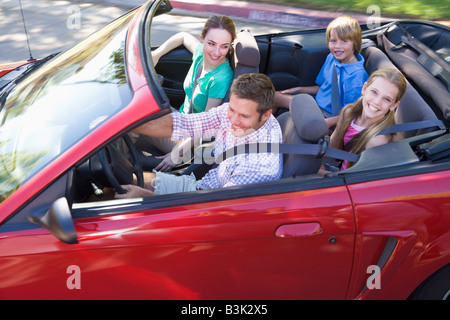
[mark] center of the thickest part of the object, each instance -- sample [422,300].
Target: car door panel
[224,247]
[210,250]
[417,208]
[174,67]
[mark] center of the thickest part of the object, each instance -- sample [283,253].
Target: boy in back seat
[344,38]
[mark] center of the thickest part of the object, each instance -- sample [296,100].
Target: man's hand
[179,154]
[166,164]
[133,191]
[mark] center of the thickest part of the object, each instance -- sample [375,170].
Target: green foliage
[417,9]
[14,167]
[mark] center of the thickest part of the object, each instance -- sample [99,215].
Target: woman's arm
[181,38]
[213,103]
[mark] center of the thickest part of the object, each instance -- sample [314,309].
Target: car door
[402,220]
[173,69]
[279,240]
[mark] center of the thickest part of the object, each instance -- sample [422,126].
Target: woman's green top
[214,84]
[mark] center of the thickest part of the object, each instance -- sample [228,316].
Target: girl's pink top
[352,130]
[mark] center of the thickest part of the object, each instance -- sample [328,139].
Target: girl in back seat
[359,123]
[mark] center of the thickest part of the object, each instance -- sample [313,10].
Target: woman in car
[209,77]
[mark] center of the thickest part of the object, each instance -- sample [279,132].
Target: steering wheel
[117,166]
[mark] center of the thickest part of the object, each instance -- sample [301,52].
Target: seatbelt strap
[317,150]
[197,75]
[321,149]
[400,127]
[335,99]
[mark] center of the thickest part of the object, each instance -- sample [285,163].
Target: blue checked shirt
[351,80]
[242,168]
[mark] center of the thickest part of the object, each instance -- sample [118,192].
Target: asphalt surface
[50,25]
[54,26]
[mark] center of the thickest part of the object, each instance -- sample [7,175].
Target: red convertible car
[378,230]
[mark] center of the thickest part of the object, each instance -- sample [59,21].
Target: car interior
[294,59]
[289,59]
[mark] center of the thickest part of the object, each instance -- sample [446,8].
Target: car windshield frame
[61,102]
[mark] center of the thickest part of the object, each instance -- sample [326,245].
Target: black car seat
[246,57]
[303,124]
[420,62]
[246,54]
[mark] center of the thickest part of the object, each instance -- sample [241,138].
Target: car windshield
[61,102]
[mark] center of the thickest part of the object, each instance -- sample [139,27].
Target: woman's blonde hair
[347,28]
[353,111]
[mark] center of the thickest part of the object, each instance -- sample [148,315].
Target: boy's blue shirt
[351,78]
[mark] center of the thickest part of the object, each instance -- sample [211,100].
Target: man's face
[244,116]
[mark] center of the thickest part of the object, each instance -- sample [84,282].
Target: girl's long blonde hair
[353,111]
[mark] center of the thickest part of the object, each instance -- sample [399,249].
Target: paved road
[55,25]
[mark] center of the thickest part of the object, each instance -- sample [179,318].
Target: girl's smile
[378,99]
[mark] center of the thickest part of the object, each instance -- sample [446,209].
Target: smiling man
[247,118]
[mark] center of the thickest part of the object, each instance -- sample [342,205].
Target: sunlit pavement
[49,25]
[53,26]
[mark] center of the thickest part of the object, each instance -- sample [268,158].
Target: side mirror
[58,221]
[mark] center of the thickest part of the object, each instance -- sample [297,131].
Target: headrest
[246,49]
[309,121]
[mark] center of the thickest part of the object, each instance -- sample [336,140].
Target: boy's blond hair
[347,28]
